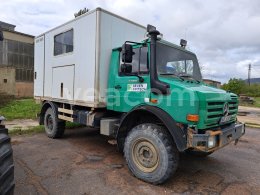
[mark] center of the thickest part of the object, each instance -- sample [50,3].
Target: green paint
[187,97]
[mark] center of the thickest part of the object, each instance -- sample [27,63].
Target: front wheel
[150,153]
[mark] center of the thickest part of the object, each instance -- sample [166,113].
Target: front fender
[179,135]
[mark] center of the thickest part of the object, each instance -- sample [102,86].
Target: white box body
[81,76]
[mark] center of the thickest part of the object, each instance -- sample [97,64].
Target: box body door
[63,82]
[39,66]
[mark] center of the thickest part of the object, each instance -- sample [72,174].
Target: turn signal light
[154,101]
[192,117]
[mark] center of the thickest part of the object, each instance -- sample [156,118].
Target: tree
[236,86]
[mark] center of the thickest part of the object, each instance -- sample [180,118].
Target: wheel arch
[153,114]
[45,106]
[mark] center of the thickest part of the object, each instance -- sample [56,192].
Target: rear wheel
[6,164]
[54,128]
[150,153]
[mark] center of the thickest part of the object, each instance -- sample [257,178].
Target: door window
[140,61]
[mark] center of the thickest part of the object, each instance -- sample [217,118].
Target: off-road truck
[102,70]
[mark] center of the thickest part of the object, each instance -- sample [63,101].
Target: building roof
[7,26]
[210,80]
[11,28]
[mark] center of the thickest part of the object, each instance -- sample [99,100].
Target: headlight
[212,142]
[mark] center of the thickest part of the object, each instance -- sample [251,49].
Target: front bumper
[213,140]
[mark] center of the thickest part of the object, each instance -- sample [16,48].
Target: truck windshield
[173,61]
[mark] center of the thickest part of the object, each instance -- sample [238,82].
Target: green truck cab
[166,90]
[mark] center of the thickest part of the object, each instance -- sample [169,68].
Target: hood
[209,101]
[192,85]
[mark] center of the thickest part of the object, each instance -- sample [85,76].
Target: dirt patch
[84,163]
[237,188]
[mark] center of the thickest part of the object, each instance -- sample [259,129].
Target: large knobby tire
[150,153]
[54,128]
[196,153]
[6,164]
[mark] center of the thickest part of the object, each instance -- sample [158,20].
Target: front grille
[215,111]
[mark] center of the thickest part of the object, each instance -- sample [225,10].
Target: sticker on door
[137,87]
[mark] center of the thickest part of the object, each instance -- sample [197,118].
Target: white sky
[225,35]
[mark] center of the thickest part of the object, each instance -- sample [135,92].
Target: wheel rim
[145,155]
[49,123]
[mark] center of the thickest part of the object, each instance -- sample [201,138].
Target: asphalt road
[84,163]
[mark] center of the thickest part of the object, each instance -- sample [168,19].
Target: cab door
[131,91]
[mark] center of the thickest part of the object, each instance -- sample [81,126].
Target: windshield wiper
[188,76]
[173,75]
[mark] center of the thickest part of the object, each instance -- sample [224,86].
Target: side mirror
[126,68]
[127,51]
[1,36]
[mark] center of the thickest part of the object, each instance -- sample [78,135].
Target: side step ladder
[66,114]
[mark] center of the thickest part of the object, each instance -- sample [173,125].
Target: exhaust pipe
[157,86]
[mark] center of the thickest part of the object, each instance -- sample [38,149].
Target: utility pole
[249,74]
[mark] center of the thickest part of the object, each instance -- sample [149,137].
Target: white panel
[38,66]
[114,32]
[83,57]
[63,82]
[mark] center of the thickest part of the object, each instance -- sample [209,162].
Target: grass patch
[255,104]
[30,130]
[70,125]
[20,109]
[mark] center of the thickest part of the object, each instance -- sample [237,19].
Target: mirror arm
[141,79]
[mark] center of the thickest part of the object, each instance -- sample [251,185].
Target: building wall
[20,55]
[17,52]
[24,89]
[7,80]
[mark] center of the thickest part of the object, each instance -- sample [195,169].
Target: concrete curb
[253,125]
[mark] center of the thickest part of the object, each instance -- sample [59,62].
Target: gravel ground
[84,163]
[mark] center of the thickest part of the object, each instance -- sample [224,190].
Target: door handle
[118,87]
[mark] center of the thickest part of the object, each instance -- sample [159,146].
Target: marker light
[192,117]
[154,101]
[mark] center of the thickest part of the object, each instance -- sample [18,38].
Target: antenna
[185,33]
[249,74]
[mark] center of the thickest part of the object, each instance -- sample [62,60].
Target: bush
[238,86]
